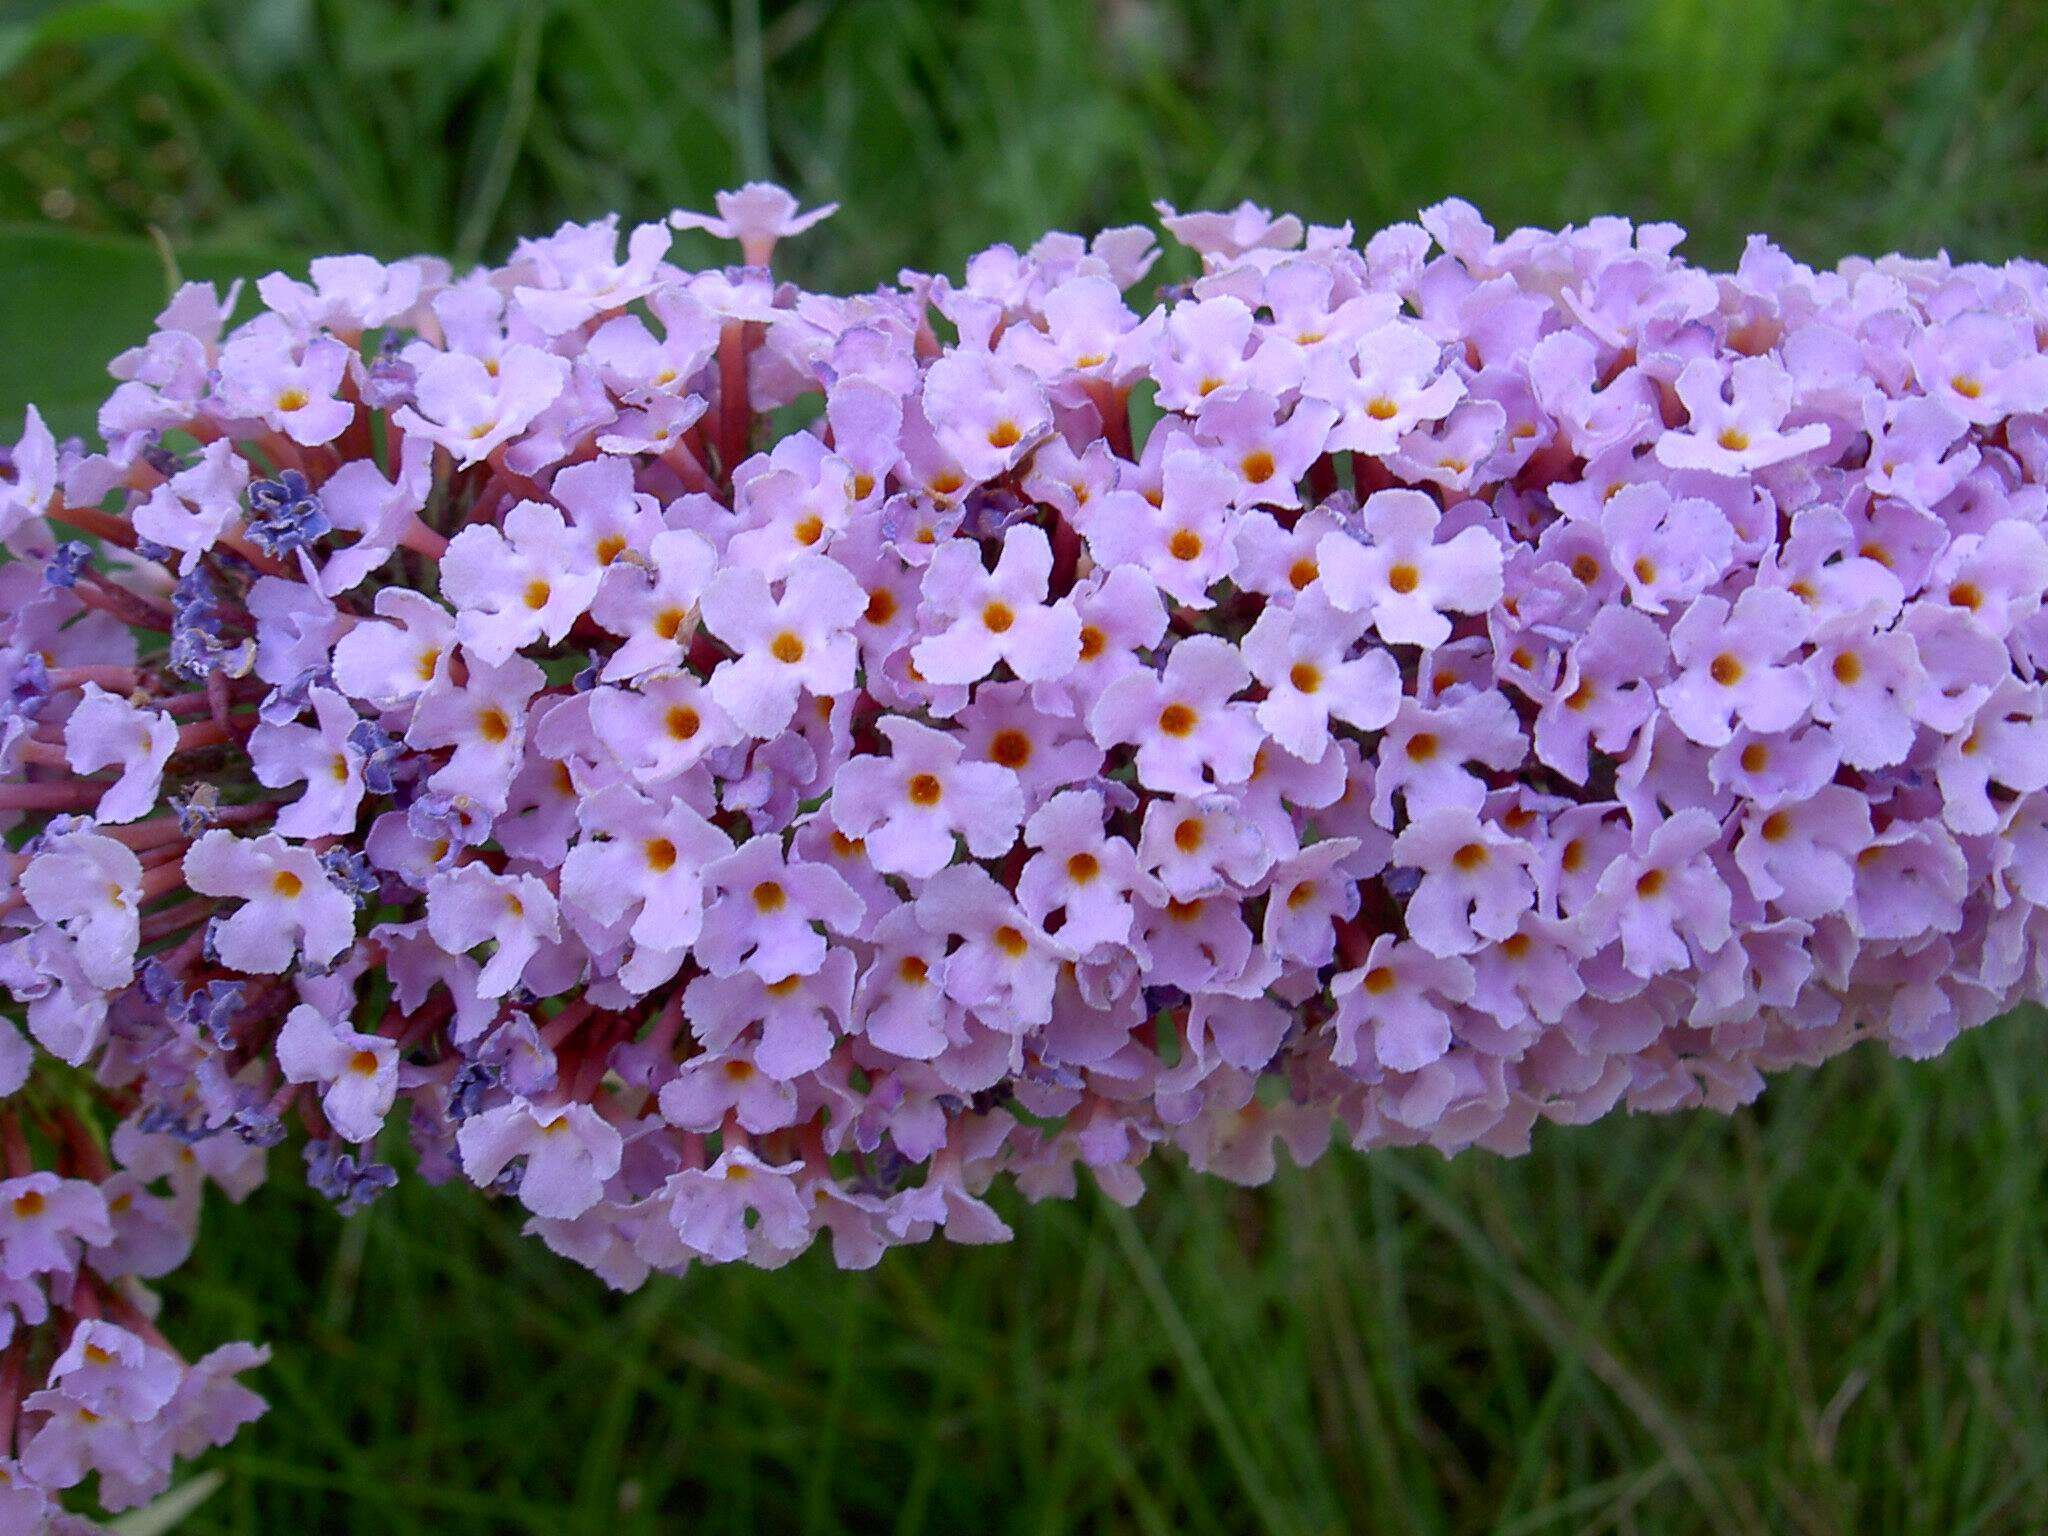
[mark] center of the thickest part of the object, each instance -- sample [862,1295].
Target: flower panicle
[723,767]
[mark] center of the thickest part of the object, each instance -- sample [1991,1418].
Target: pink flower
[1188,733]
[1402,578]
[785,644]
[710,1087]
[899,1007]
[652,604]
[570,1151]
[909,807]
[512,588]
[1303,657]
[1202,353]
[1739,665]
[977,618]
[346,294]
[1605,693]
[1865,682]
[636,365]
[1247,227]
[758,215]
[106,731]
[1668,550]
[26,497]
[1006,964]
[289,906]
[738,1208]
[1121,614]
[1427,753]
[794,1022]
[1201,845]
[516,913]
[663,728]
[1800,855]
[357,1073]
[1741,434]
[1306,895]
[2006,746]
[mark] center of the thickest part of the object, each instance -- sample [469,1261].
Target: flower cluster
[720,764]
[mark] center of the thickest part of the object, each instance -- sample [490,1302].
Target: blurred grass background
[1826,1316]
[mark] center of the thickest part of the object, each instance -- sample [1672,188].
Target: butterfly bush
[723,766]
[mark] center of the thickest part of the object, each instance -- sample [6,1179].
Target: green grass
[1826,1316]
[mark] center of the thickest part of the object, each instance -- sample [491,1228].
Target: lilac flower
[391,664]
[1187,732]
[1475,882]
[1605,692]
[710,1087]
[357,1073]
[288,905]
[569,1149]
[190,511]
[1080,872]
[26,493]
[909,807]
[758,215]
[512,588]
[323,757]
[1301,655]
[1402,578]
[765,909]
[1664,896]
[484,722]
[739,1207]
[106,731]
[90,888]
[977,619]
[1743,432]
[1735,668]
[515,913]
[786,645]
[642,862]
[1005,967]
[46,1223]
[577,279]
[652,605]
[472,409]
[1393,381]
[1395,1010]
[985,413]
[794,1021]
[1180,537]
